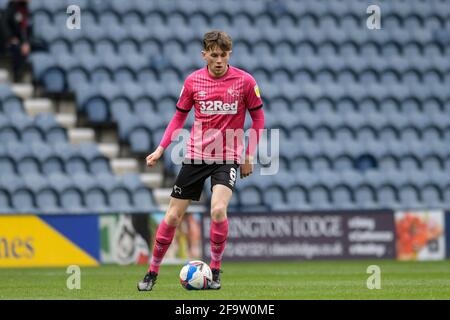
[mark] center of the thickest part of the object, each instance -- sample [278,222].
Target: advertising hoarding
[307,235]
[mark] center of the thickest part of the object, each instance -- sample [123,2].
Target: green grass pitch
[255,281]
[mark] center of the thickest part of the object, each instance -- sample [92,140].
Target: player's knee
[219,212]
[173,218]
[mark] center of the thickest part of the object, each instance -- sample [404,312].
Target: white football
[195,275]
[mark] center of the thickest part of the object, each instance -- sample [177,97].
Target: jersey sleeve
[186,99]
[252,98]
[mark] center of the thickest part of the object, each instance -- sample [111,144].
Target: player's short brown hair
[217,38]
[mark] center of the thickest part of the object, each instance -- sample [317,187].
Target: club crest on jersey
[256,88]
[218,107]
[233,92]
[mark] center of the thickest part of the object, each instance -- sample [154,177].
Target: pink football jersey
[220,108]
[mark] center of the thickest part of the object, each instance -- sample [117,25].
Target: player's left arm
[254,105]
[257,116]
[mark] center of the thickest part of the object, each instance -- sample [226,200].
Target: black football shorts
[191,178]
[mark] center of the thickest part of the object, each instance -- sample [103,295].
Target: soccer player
[221,95]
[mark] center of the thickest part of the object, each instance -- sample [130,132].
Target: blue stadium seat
[319,197]
[387,196]
[107,181]
[388,133]
[82,46]
[40,62]
[108,18]
[40,17]
[132,181]
[140,139]
[135,62]
[143,200]
[32,133]
[351,178]
[97,109]
[56,134]
[124,75]
[101,74]
[11,182]
[132,17]
[309,149]
[144,105]
[120,199]
[432,163]
[23,201]
[409,197]
[47,201]
[89,151]
[365,196]
[344,133]
[410,163]
[431,196]
[342,197]
[438,177]
[18,151]
[410,133]
[103,45]
[329,178]
[282,179]
[297,197]
[97,200]
[120,108]
[75,77]
[49,162]
[28,165]
[121,7]
[76,164]
[97,162]
[12,105]
[321,163]
[72,200]
[7,131]
[322,134]
[343,163]
[84,181]
[418,178]
[250,196]
[375,178]
[274,194]
[96,33]
[65,150]
[20,121]
[354,120]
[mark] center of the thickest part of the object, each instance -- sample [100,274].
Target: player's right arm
[154,156]
[184,105]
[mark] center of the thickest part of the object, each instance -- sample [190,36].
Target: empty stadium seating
[41,172]
[364,115]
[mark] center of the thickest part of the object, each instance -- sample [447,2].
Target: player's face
[217,61]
